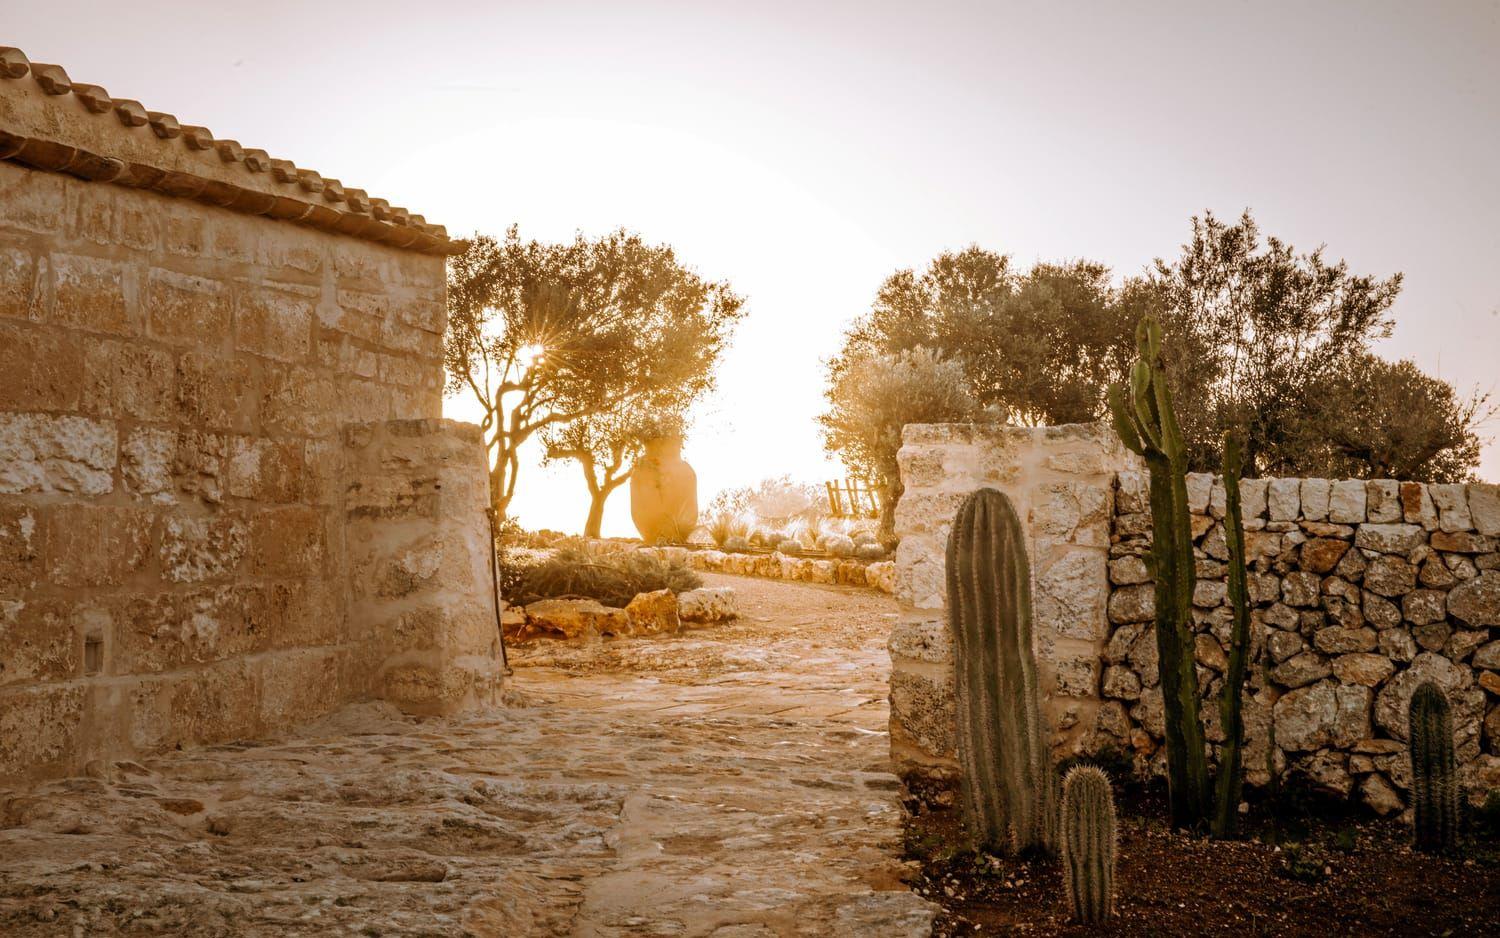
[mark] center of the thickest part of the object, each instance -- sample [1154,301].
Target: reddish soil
[1304,873]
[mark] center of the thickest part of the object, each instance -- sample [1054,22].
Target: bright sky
[804,151]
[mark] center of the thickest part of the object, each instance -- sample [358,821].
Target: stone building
[228,501]
[1360,590]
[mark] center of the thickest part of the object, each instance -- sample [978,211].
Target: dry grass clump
[725,526]
[613,579]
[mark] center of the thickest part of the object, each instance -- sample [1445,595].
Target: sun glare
[532,354]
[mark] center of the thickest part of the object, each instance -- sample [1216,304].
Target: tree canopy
[971,334]
[1370,418]
[874,395]
[1040,347]
[1253,326]
[543,335]
[1260,339]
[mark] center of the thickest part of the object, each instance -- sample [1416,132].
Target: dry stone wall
[1361,590]
[175,377]
[877,574]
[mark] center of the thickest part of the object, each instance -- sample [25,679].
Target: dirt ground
[730,781]
[1303,869]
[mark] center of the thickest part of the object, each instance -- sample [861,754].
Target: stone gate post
[1061,480]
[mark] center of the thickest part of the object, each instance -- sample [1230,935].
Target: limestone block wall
[419,547]
[1361,591]
[185,328]
[1061,481]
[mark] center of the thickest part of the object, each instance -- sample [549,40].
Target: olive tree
[542,335]
[872,397]
[606,445]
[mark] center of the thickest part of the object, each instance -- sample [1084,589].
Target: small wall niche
[93,653]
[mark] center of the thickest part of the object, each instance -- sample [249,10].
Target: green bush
[612,579]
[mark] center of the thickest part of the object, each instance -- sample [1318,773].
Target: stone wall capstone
[1360,590]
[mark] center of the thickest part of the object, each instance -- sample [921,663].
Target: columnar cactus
[1434,786]
[1002,743]
[1147,424]
[1231,776]
[1088,844]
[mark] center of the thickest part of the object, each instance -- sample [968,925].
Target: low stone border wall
[1361,590]
[655,613]
[878,575]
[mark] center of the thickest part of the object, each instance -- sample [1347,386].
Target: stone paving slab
[729,782]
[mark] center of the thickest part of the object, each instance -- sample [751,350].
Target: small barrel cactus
[1088,844]
[1433,769]
[870,552]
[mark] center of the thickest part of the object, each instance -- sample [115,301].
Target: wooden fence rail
[852,499]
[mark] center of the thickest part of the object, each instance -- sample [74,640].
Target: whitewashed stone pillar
[1061,481]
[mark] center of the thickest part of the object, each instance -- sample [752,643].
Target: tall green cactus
[1434,787]
[1146,422]
[1002,741]
[1088,844]
[1231,773]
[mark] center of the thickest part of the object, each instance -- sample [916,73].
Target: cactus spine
[1434,788]
[1147,424]
[1231,775]
[1088,844]
[1002,744]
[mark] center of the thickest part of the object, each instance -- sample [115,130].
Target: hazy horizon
[805,153]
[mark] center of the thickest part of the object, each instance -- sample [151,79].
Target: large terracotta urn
[664,493]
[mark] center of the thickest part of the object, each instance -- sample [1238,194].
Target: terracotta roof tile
[59,125]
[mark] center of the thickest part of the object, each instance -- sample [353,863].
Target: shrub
[1304,862]
[737,544]
[766,537]
[798,530]
[790,547]
[512,554]
[838,545]
[777,501]
[870,552]
[612,579]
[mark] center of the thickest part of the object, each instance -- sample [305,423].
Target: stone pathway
[731,782]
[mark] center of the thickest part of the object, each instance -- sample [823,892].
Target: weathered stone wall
[1361,590]
[174,540]
[1061,481]
[420,554]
